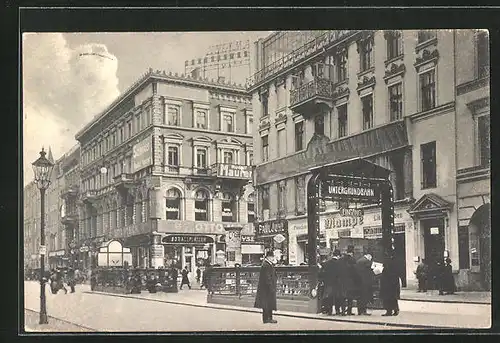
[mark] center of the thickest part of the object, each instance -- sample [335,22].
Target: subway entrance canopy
[354,181]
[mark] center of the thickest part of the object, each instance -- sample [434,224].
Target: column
[408,174]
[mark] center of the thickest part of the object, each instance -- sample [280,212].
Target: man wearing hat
[266,288]
[348,280]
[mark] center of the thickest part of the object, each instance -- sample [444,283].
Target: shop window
[228,208]
[428,90]
[396,102]
[173,204]
[342,121]
[299,136]
[367,107]
[483,54]
[463,247]
[265,148]
[201,205]
[428,161]
[483,132]
[319,124]
[251,208]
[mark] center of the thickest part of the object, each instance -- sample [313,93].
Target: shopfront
[274,235]
[251,251]
[191,251]
[58,259]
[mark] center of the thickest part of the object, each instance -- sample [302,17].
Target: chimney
[221,79]
[195,74]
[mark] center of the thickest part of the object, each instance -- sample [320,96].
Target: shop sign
[247,239]
[344,233]
[351,189]
[271,228]
[279,238]
[187,239]
[378,217]
[338,221]
[142,156]
[225,170]
[351,212]
[157,251]
[434,231]
[175,226]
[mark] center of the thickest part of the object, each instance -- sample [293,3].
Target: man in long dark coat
[389,287]
[327,276]
[348,279]
[266,289]
[334,289]
[365,273]
[422,273]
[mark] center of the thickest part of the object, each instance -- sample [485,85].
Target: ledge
[394,59]
[427,43]
[450,106]
[473,85]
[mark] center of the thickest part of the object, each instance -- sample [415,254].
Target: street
[145,312]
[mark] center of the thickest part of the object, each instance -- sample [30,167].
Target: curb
[242,309]
[61,320]
[446,301]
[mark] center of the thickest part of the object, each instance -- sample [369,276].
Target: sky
[68,78]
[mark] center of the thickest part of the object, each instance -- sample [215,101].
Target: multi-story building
[473,158]
[166,170]
[31,207]
[322,98]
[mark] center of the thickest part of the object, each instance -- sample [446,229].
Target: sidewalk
[31,324]
[459,297]
[411,316]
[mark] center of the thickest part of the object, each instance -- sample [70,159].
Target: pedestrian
[365,274]
[448,280]
[185,279]
[71,279]
[348,279]
[389,286]
[206,278]
[325,299]
[198,275]
[93,280]
[422,273]
[266,289]
[333,293]
[439,276]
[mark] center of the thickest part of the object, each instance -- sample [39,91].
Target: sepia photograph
[253,181]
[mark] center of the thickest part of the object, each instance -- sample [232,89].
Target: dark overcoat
[389,281]
[266,289]
[448,280]
[365,273]
[348,277]
[332,276]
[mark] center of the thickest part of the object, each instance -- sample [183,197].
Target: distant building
[324,97]
[166,169]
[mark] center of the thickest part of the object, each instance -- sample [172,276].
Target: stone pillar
[157,252]
[216,212]
[408,174]
[233,244]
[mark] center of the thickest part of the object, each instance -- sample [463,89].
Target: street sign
[42,250]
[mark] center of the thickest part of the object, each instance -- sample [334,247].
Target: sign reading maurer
[234,171]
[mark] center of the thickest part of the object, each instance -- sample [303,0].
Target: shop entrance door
[434,247]
[400,256]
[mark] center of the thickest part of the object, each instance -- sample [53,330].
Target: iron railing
[315,88]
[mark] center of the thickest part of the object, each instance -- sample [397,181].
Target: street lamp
[42,168]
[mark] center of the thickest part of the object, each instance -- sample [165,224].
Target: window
[122,137]
[281,142]
[463,247]
[201,159]
[149,113]
[251,208]
[299,136]
[428,90]
[318,70]
[426,35]
[129,129]
[319,124]
[228,157]
[265,106]
[341,65]
[137,123]
[428,157]
[265,148]
[342,120]
[483,54]
[231,256]
[265,198]
[250,159]
[249,125]
[228,122]
[201,206]
[173,204]
[396,102]
[483,132]
[365,54]
[367,104]
[173,115]
[228,208]
[173,157]
[201,120]
[281,198]
[394,44]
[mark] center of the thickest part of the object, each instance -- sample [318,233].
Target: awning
[252,249]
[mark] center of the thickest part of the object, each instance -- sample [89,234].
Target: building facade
[383,96]
[31,214]
[166,170]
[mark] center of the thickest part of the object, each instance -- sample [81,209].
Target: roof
[354,167]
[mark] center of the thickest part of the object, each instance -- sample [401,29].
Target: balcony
[70,191]
[123,180]
[472,174]
[89,196]
[232,171]
[307,99]
[69,219]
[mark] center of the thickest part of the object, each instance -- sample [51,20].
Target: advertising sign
[181,239]
[225,170]
[142,156]
[271,228]
[247,239]
[341,189]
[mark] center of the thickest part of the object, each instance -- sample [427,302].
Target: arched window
[228,208]
[138,208]
[201,205]
[173,204]
[251,208]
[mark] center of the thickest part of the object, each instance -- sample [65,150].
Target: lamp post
[42,168]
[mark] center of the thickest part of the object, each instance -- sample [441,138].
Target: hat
[350,249]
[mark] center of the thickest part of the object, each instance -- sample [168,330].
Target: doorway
[400,256]
[434,247]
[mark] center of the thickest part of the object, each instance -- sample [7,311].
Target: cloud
[63,88]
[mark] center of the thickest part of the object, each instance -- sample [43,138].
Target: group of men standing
[346,279]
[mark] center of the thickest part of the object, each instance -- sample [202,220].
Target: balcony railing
[317,88]
[231,171]
[293,58]
[89,195]
[123,178]
[70,191]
